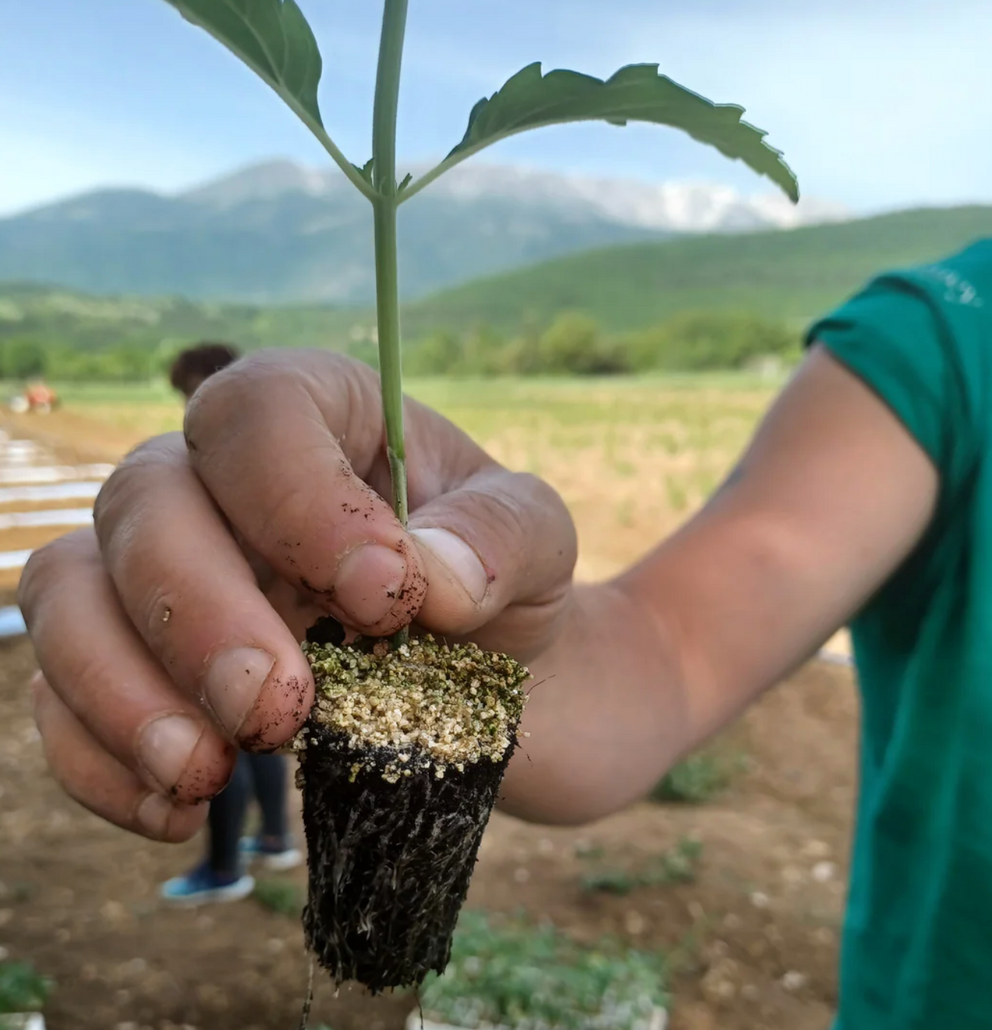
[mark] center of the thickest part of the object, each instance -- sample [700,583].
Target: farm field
[750,935]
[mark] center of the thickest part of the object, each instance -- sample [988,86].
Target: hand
[169,633]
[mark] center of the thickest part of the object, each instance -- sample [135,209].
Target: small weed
[612,881]
[524,976]
[281,896]
[588,852]
[625,512]
[697,779]
[678,499]
[21,988]
[675,866]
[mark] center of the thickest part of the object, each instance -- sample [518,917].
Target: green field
[631,456]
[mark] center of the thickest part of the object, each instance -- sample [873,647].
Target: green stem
[385,204]
[390,368]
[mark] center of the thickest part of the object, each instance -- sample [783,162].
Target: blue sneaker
[202,886]
[254,850]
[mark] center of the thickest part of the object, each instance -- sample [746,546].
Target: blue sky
[876,103]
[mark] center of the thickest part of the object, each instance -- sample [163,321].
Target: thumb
[501,538]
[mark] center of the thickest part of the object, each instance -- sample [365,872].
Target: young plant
[514,974]
[677,865]
[21,989]
[395,809]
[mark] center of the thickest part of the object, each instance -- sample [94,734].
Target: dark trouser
[261,775]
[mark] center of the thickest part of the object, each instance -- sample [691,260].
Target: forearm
[606,716]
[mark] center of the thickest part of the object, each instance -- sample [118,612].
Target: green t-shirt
[917,944]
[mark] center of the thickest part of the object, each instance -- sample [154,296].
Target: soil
[753,940]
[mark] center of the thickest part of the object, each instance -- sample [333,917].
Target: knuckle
[48,566]
[126,484]
[228,392]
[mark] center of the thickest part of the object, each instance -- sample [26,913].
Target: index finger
[266,438]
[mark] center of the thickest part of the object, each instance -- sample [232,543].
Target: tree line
[573,344]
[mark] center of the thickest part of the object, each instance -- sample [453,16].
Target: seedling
[280,896]
[394,822]
[698,778]
[21,988]
[678,865]
[510,973]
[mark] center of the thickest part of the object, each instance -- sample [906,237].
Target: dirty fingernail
[154,814]
[166,747]
[457,557]
[368,581]
[233,682]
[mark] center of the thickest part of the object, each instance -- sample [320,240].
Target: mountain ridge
[278,232]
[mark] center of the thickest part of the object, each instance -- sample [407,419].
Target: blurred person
[40,397]
[194,365]
[864,497]
[222,875]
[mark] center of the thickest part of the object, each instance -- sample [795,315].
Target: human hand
[169,633]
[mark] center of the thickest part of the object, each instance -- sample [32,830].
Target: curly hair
[195,364]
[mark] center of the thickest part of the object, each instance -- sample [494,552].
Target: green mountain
[278,233]
[793,275]
[783,276]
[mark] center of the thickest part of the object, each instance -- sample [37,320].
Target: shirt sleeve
[893,337]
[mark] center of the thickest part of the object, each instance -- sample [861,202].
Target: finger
[501,539]
[192,596]
[105,676]
[265,437]
[94,778]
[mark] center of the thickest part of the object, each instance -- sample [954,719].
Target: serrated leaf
[365,170]
[274,39]
[637,92]
[271,36]
[407,179]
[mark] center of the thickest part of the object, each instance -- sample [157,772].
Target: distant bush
[575,344]
[701,341]
[22,358]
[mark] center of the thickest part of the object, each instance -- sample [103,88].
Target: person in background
[222,875]
[193,366]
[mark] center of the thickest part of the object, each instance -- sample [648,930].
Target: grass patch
[514,974]
[22,989]
[280,896]
[678,865]
[697,779]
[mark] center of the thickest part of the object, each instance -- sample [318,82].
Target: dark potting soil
[393,827]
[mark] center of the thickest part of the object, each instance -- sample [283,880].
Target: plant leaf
[271,36]
[274,39]
[365,170]
[636,92]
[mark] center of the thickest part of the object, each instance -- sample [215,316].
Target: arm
[831,496]
[169,634]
